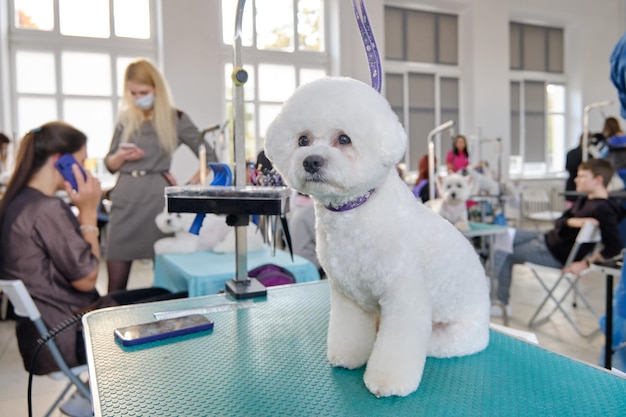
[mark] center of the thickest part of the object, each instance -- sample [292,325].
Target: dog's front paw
[385,382]
[350,360]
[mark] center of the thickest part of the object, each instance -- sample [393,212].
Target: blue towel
[618,71]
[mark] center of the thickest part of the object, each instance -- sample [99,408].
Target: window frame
[439,70]
[437,16]
[33,40]
[298,59]
[518,165]
[515,160]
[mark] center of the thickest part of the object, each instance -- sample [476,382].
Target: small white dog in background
[395,295]
[214,235]
[454,191]
[483,182]
[179,224]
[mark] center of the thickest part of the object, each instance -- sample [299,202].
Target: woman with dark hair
[611,128]
[55,253]
[4,148]
[458,157]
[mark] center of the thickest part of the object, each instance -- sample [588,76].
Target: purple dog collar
[352,204]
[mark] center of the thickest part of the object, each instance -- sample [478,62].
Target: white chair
[24,306]
[589,233]
[536,206]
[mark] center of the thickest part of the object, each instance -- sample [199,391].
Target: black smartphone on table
[162,329]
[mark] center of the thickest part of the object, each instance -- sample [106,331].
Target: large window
[417,36]
[538,97]
[68,59]
[284,47]
[422,77]
[536,48]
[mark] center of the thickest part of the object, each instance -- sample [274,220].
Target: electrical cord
[41,343]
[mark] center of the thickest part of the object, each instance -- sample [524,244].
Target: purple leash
[373,57]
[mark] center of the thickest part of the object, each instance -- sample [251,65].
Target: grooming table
[268,358]
[484,229]
[206,272]
[489,231]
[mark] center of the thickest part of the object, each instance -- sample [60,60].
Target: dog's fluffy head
[455,188]
[334,139]
[174,222]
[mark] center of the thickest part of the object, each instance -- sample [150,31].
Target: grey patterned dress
[137,199]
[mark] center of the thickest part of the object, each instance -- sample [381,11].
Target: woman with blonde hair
[148,131]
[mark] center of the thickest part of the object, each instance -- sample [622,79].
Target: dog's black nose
[313,163]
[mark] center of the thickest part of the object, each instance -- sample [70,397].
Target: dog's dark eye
[303,141]
[344,140]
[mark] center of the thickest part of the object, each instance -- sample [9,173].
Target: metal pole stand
[242,286]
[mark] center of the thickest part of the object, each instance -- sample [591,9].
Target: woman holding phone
[148,131]
[55,253]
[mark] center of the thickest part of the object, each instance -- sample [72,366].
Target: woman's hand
[123,154]
[170,178]
[87,196]
[129,154]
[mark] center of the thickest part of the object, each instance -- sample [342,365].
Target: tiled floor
[556,335]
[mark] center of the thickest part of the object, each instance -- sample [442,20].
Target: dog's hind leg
[397,361]
[459,338]
[351,331]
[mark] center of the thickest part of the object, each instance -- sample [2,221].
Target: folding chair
[24,306]
[589,233]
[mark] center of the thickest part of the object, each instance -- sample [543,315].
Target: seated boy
[552,248]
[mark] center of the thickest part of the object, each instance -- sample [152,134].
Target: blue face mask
[146,102]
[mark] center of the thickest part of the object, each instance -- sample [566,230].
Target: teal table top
[268,358]
[484,229]
[206,272]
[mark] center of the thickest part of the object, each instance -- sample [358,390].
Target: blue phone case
[162,329]
[64,165]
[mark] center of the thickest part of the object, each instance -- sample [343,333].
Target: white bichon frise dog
[404,283]
[455,190]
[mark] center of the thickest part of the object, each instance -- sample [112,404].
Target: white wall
[193,56]
[192,53]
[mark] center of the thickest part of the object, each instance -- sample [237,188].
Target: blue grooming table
[267,357]
[206,272]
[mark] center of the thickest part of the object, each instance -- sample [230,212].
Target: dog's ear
[468,179]
[393,147]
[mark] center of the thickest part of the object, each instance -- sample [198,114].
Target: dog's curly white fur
[396,295]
